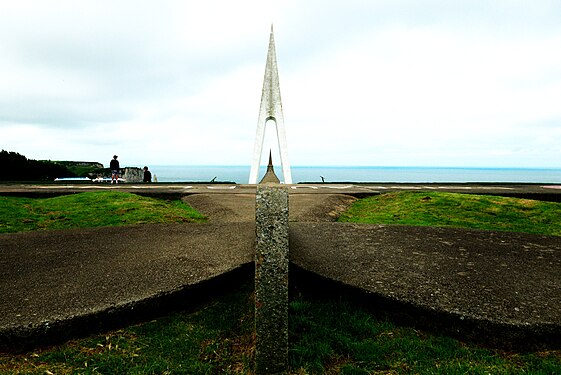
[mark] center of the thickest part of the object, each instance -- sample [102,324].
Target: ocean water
[240,174]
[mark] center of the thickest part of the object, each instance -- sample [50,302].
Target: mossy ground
[93,209]
[458,210]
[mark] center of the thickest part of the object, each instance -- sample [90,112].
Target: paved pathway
[50,277]
[474,281]
[226,207]
[481,284]
[539,190]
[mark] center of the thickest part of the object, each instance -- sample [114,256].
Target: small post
[271,280]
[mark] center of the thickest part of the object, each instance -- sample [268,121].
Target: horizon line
[357,166]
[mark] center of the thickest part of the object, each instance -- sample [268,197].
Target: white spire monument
[270,109]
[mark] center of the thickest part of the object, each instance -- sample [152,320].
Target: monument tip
[270,109]
[270,176]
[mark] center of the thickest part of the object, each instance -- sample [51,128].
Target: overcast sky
[381,83]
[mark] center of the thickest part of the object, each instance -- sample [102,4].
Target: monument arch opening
[270,110]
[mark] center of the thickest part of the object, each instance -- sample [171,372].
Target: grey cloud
[59,113]
[108,79]
[117,58]
[319,25]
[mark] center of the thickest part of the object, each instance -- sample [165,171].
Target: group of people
[115,170]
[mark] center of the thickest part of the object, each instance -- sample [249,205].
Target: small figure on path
[114,166]
[147,175]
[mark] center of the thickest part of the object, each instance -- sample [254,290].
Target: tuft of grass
[91,209]
[333,336]
[457,210]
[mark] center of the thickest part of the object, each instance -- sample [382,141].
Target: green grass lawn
[457,210]
[90,210]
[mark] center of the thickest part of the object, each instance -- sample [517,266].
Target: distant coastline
[240,174]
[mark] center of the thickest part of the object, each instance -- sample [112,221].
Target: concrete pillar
[271,280]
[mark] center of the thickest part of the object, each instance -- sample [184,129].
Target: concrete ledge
[496,287]
[53,282]
[21,338]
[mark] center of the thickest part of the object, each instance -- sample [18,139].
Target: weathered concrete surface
[318,208]
[232,208]
[223,207]
[53,276]
[271,280]
[494,284]
[62,274]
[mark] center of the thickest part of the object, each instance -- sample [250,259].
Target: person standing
[114,166]
[147,175]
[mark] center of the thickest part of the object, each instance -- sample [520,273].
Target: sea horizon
[398,174]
